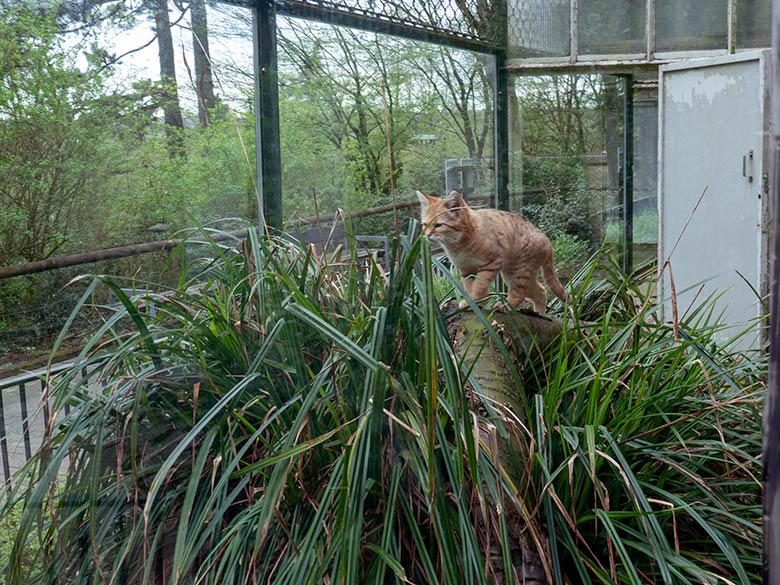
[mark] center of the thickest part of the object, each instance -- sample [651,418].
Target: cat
[483,242]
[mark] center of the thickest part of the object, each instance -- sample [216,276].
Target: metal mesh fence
[691,25]
[538,28]
[477,21]
[612,27]
[754,23]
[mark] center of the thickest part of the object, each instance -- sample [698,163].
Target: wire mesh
[754,23]
[691,25]
[477,21]
[538,28]
[615,27]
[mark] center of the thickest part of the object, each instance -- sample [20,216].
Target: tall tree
[464,94]
[204,78]
[353,82]
[53,121]
[174,122]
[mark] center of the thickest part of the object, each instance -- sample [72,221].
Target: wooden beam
[167,245]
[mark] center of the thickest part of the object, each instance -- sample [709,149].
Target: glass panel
[691,25]
[645,175]
[612,26]
[567,178]
[539,28]
[754,23]
[345,98]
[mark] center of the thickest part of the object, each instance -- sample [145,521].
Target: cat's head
[443,219]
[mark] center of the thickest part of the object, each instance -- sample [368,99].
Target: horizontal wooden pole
[166,245]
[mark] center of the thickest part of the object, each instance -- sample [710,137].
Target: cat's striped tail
[551,278]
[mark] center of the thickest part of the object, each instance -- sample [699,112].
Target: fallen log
[496,362]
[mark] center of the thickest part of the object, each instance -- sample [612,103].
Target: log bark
[523,334]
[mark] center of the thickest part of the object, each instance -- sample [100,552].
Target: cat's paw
[463,304]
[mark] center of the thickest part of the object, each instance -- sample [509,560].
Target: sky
[230,44]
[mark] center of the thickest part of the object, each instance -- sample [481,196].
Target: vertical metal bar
[574,33]
[501,112]
[25,422]
[267,140]
[771,455]
[501,130]
[650,30]
[628,173]
[731,14]
[4,447]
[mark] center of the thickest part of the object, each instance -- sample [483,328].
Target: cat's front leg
[467,279]
[478,287]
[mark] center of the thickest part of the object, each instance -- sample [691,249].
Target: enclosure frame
[268,139]
[616,63]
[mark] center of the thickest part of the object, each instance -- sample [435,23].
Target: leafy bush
[556,198]
[570,253]
[645,229]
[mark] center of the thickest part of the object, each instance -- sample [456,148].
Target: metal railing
[14,391]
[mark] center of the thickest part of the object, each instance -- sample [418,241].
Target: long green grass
[289,418]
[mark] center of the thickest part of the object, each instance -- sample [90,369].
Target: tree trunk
[204,79]
[174,123]
[523,334]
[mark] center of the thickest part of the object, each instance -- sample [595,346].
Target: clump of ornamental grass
[284,417]
[647,440]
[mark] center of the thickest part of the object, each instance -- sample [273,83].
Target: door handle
[747,166]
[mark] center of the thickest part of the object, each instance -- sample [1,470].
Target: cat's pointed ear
[455,200]
[424,199]
[456,197]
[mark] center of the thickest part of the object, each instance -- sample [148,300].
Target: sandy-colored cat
[483,242]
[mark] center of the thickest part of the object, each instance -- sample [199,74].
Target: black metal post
[628,174]
[269,160]
[501,110]
[772,407]
[501,130]
[25,422]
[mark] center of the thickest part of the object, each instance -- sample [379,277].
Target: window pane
[539,28]
[691,25]
[754,23]
[614,27]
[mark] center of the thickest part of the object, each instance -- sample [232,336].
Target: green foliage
[49,134]
[648,459]
[284,425]
[570,253]
[215,182]
[30,557]
[301,419]
[645,229]
[557,200]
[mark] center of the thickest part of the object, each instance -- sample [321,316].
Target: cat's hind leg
[538,296]
[525,286]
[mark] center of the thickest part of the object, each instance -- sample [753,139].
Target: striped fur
[482,243]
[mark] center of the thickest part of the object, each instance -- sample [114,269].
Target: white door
[712,144]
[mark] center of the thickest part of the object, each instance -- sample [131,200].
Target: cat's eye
[436,226]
